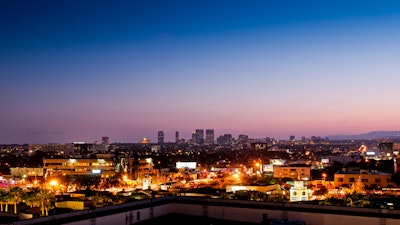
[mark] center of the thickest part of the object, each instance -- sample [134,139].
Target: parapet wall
[245,211]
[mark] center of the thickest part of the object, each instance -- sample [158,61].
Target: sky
[79,70]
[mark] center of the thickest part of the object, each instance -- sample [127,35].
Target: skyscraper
[225,139]
[199,136]
[160,137]
[209,136]
[243,138]
[176,136]
[105,140]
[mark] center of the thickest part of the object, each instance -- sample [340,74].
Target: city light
[53,183]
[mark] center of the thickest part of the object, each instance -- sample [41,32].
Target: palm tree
[3,198]
[42,195]
[42,198]
[32,198]
[6,198]
[48,202]
[16,196]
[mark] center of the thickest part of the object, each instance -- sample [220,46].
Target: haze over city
[80,70]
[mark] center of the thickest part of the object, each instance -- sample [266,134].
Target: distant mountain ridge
[367,136]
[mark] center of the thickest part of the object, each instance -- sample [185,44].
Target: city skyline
[77,71]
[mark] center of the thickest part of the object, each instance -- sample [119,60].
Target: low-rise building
[296,172]
[25,172]
[299,192]
[369,179]
[103,167]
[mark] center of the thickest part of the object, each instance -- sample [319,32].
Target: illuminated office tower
[199,136]
[209,136]
[160,137]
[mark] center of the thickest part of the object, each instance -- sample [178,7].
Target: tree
[4,196]
[258,196]
[277,198]
[321,191]
[355,196]
[227,195]
[105,198]
[99,199]
[331,201]
[357,186]
[38,197]
[356,199]
[242,195]
[16,196]
[48,202]
[32,197]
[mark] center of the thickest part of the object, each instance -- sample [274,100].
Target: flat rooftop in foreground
[182,219]
[179,210]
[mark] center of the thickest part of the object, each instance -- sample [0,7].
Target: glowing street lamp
[53,183]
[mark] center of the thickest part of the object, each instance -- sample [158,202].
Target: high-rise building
[176,136]
[225,139]
[105,140]
[210,136]
[199,136]
[243,138]
[160,137]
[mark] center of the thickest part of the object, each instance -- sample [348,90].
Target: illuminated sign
[278,162]
[186,165]
[96,171]
[325,161]
[268,168]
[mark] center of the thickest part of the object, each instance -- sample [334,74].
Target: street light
[53,183]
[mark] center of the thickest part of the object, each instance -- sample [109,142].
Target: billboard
[325,160]
[278,162]
[186,165]
[268,168]
[96,171]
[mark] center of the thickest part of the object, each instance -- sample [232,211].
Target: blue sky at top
[79,70]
